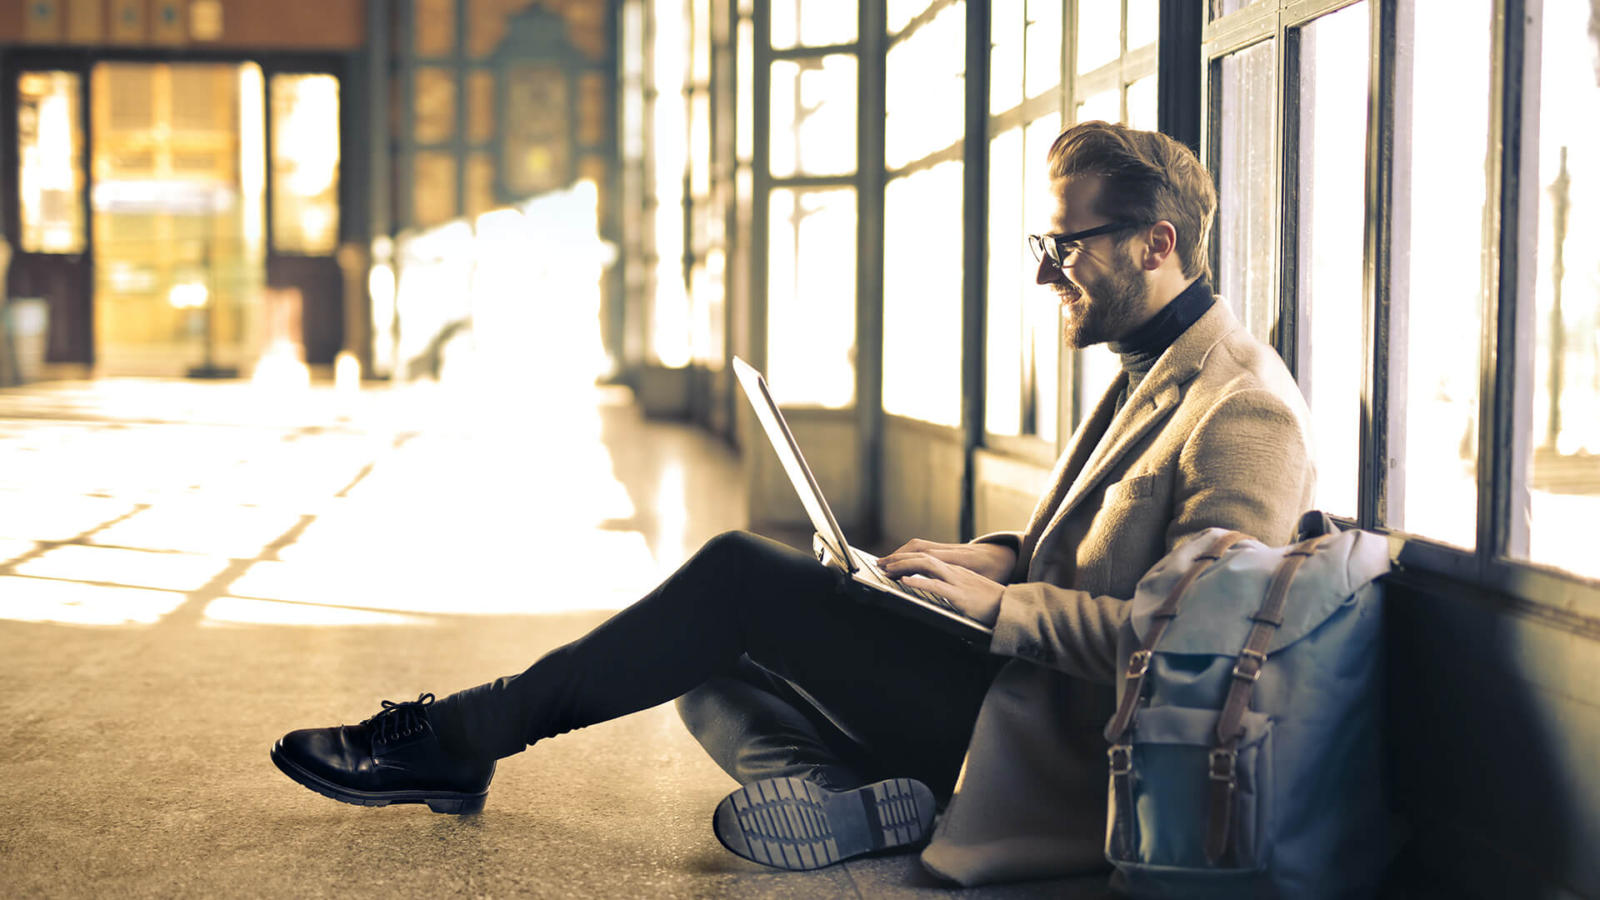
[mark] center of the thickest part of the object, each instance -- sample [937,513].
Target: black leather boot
[791,823]
[393,757]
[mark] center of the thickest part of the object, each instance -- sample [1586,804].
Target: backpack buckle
[1223,761]
[1139,663]
[1121,757]
[1252,671]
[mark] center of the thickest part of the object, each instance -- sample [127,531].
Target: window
[811,289]
[1247,198]
[1563,472]
[925,102]
[305,163]
[1023,332]
[50,144]
[812,23]
[811,203]
[814,116]
[670,318]
[922,295]
[1441,314]
[1115,62]
[1330,194]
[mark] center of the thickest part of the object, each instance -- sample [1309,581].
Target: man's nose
[1048,273]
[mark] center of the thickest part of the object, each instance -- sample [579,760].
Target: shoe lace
[398,720]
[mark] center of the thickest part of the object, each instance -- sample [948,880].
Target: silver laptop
[829,543]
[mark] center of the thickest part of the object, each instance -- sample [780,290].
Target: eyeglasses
[1059,249]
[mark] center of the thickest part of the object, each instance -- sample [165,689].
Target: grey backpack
[1246,749]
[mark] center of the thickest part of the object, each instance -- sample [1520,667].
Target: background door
[47,200]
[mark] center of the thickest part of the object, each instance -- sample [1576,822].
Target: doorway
[177,209]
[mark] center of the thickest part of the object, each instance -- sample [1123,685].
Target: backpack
[1246,746]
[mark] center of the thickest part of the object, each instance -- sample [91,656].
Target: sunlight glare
[24,599]
[245,611]
[131,568]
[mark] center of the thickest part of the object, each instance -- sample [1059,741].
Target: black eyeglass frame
[1049,246]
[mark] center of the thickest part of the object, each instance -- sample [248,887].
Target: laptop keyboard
[872,565]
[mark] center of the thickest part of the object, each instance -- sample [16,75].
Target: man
[849,723]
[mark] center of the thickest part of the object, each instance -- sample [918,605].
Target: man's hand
[992,561]
[968,575]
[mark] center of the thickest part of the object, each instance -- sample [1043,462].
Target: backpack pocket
[1160,820]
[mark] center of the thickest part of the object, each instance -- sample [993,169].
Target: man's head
[1147,205]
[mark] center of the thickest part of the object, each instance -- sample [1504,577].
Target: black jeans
[778,666]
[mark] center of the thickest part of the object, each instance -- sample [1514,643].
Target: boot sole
[791,823]
[447,802]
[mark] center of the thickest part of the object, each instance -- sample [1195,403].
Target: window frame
[1497,564]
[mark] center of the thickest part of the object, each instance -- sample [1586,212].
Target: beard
[1109,307]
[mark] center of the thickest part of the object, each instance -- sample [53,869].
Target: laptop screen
[783,443]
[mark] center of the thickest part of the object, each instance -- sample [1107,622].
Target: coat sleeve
[1246,467]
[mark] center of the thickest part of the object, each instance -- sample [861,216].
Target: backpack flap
[1222,600]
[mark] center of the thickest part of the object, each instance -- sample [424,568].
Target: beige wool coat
[1215,436]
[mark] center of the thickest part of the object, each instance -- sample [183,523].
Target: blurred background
[358,334]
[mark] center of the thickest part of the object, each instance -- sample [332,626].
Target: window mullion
[1379,436]
[1505,418]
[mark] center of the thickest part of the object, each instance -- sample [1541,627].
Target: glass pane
[1105,106]
[1220,8]
[922,295]
[1041,311]
[811,296]
[1144,23]
[1332,191]
[1006,32]
[594,109]
[745,69]
[305,163]
[433,188]
[1099,34]
[1564,480]
[178,216]
[1043,46]
[700,144]
[706,299]
[669,148]
[480,106]
[1439,370]
[480,182]
[435,104]
[1246,196]
[814,116]
[812,23]
[1009,275]
[1142,104]
[436,27]
[700,34]
[926,90]
[50,176]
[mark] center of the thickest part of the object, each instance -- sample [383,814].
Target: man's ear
[1162,242]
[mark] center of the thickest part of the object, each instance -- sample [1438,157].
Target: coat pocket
[1134,487]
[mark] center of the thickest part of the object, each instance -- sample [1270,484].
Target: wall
[1494,734]
[316,25]
[828,441]
[921,482]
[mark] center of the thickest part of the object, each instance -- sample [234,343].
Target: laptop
[829,543]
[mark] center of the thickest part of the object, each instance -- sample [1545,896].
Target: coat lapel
[1149,406]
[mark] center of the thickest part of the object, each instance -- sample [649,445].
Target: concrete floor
[188,570]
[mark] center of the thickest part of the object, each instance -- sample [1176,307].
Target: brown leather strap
[1224,756]
[1121,752]
[1139,661]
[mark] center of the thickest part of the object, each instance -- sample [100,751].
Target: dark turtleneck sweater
[1140,350]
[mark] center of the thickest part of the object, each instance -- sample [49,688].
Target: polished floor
[188,570]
